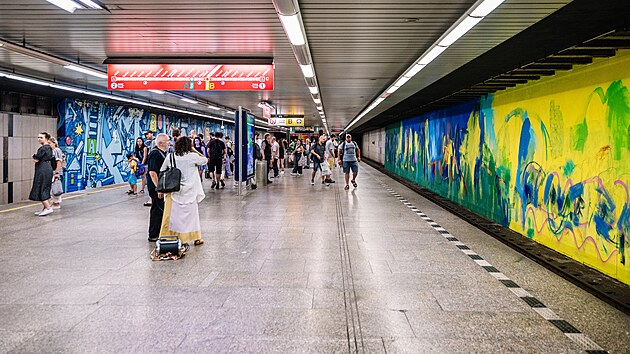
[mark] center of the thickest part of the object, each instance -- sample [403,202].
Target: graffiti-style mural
[550,160]
[96,137]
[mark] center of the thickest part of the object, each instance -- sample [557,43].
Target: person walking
[283,151]
[275,155]
[140,151]
[42,180]
[307,152]
[57,165]
[155,161]
[181,210]
[298,159]
[216,153]
[349,158]
[330,153]
[317,156]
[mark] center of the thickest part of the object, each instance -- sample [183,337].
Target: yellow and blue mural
[550,160]
[96,138]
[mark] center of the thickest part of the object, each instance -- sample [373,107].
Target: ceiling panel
[358,47]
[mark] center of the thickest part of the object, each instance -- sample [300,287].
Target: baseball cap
[348,136]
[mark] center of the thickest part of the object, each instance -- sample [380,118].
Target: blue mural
[96,137]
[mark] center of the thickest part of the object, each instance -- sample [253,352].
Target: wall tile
[17,191]
[29,147]
[28,169]
[3,124]
[17,125]
[26,189]
[4,189]
[15,148]
[15,170]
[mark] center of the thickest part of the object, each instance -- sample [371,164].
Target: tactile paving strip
[571,332]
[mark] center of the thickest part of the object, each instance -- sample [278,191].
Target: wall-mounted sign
[266,112]
[212,77]
[287,122]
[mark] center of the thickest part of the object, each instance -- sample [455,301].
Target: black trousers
[157,212]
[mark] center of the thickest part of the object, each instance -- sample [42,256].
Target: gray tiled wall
[18,143]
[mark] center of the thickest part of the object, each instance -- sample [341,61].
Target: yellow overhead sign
[287,122]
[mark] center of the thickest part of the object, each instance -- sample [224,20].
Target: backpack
[257,152]
[343,147]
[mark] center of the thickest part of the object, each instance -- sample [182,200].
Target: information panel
[212,77]
[287,122]
[245,140]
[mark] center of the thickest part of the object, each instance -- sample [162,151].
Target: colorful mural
[550,160]
[96,137]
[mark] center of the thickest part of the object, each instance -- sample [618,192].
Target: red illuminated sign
[213,77]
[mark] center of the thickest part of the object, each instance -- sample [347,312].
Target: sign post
[245,134]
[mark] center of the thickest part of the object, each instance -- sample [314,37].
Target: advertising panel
[211,77]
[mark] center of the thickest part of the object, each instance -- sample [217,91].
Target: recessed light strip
[465,23]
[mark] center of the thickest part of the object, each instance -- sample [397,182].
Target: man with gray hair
[154,163]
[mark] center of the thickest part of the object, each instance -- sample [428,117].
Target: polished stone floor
[286,268]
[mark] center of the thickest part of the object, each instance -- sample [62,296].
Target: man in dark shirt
[216,153]
[265,146]
[317,155]
[154,162]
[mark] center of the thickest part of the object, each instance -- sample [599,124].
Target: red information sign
[212,77]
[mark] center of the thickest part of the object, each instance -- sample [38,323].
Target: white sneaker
[56,206]
[37,212]
[46,212]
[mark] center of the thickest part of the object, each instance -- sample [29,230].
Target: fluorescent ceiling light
[317,100]
[293,28]
[392,89]
[86,71]
[159,92]
[189,100]
[67,5]
[459,30]
[313,90]
[403,80]
[91,4]
[414,70]
[307,70]
[432,54]
[229,112]
[486,7]
[214,107]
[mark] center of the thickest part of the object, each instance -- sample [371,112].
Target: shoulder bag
[171,179]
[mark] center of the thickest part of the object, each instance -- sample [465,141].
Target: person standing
[307,152]
[216,153]
[349,158]
[283,151]
[42,180]
[140,151]
[330,152]
[149,144]
[317,155]
[275,155]
[155,160]
[57,165]
[298,160]
[181,210]
[265,147]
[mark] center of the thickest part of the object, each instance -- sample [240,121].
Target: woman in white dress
[181,213]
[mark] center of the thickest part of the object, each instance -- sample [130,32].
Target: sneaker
[129,191]
[293,174]
[214,184]
[142,191]
[331,181]
[46,212]
[152,239]
[134,195]
[346,187]
[323,181]
[327,184]
[312,183]
[270,181]
[56,207]
[222,184]
[37,212]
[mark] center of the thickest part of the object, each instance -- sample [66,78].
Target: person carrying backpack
[349,157]
[216,152]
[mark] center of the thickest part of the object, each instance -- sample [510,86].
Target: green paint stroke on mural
[618,101]
[579,133]
[568,168]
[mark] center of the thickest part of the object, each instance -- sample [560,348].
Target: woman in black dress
[43,174]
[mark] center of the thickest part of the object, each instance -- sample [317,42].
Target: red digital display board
[212,77]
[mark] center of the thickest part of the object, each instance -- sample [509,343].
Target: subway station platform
[287,268]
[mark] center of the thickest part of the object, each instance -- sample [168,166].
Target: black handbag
[171,179]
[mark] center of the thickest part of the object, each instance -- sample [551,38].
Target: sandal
[147,204]
[354,184]
[346,187]
[198,242]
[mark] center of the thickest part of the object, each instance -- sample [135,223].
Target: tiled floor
[287,268]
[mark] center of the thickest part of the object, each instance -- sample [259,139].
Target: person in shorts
[216,152]
[349,158]
[133,179]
